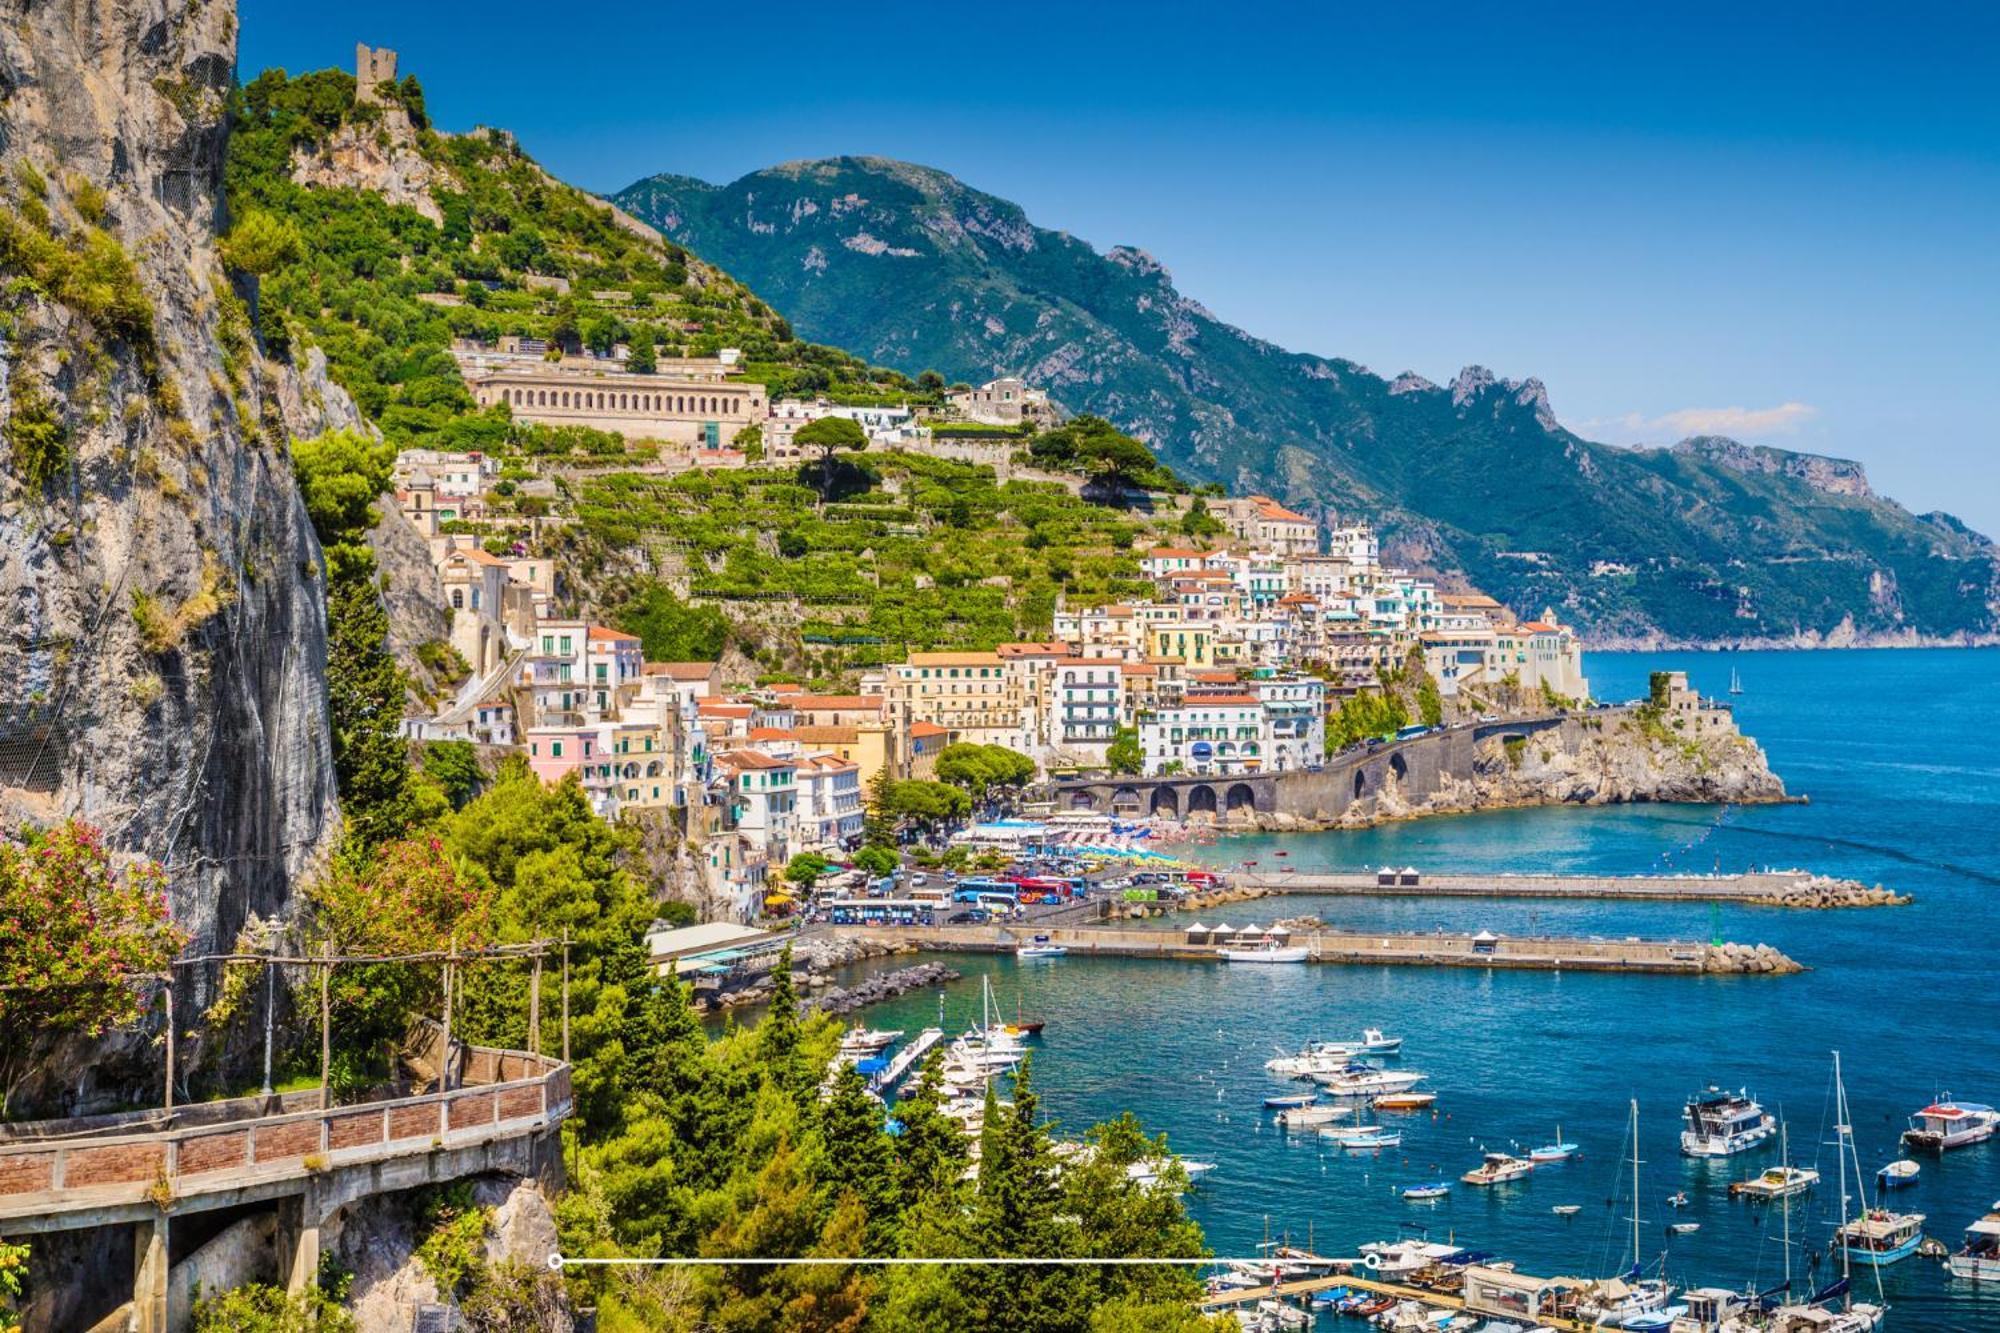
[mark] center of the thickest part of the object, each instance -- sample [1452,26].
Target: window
[555,749]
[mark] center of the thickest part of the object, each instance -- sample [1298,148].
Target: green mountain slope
[908,267]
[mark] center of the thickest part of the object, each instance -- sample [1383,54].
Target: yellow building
[976,697]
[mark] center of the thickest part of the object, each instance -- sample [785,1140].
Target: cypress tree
[858,1165]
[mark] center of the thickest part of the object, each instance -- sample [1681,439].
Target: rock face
[377,1240]
[1616,761]
[163,670]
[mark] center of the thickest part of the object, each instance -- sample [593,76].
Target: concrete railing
[49,1167]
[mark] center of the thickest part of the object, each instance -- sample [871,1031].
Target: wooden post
[325,1032]
[565,1015]
[170,1041]
[535,1006]
[444,1070]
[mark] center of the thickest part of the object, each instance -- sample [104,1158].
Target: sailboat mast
[1635,1182]
[1843,1135]
[1785,1159]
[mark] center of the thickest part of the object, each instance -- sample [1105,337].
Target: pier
[1304,1288]
[1441,949]
[908,1058]
[1769,888]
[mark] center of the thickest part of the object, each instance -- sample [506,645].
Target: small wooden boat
[1900,1174]
[1286,1103]
[1404,1101]
[1436,1189]
[1567,1209]
[1683,1228]
[1314,1113]
[1373,1142]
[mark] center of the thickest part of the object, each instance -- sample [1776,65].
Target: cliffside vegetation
[1710,540]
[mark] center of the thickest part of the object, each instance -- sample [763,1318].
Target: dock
[1442,949]
[1305,1288]
[1767,888]
[908,1058]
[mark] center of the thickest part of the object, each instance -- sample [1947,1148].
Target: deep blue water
[1898,751]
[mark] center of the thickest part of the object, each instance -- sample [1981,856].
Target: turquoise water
[1898,751]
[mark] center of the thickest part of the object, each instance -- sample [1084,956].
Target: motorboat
[1290,1101]
[1778,1182]
[1899,1174]
[1358,1082]
[1567,1209]
[1404,1101]
[1879,1237]
[1273,1316]
[1268,951]
[1498,1169]
[1722,1124]
[1678,1199]
[1399,1258]
[1040,947]
[1559,1151]
[1152,1170]
[1327,1056]
[859,1042]
[1979,1258]
[1436,1189]
[1946,1124]
[1310,1115]
[1683,1228]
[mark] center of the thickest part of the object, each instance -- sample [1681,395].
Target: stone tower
[373,66]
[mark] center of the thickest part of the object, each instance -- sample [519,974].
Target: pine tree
[858,1164]
[930,1152]
[779,1035]
[665,1050]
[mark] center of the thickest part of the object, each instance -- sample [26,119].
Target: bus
[980,890]
[882,912]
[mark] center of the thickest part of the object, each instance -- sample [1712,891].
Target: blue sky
[1776,222]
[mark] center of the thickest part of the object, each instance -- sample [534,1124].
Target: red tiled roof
[836,703]
[1219,701]
[772,734]
[1175,553]
[826,735]
[723,708]
[1049,648]
[603,634]
[750,759]
[928,729]
[682,670]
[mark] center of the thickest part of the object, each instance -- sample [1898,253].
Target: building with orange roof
[1268,525]
[980,698]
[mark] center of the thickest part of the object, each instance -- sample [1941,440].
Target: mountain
[1707,541]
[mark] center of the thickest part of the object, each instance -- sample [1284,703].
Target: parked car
[974,918]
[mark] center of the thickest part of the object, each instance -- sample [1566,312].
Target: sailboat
[1629,1300]
[1559,1151]
[1735,682]
[1778,1182]
[1853,1316]
[1879,1236]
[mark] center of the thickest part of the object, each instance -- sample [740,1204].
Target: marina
[1512,1051]
[1772,888]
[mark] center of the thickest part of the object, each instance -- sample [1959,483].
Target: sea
[1898,752]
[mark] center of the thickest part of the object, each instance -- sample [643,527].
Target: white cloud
[1737,422]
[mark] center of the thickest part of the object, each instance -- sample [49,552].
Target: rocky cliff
[1592,761]
[162,669]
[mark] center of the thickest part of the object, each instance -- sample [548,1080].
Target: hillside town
[1230,667]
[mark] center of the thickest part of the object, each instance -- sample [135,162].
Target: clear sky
[1777,222]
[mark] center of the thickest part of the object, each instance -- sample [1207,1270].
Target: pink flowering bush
[78,935]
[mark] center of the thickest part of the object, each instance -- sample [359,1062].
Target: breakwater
[1775,888]
[1412,949]
[886,986]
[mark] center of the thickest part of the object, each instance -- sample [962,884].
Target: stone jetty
[1768,888]
[884,987]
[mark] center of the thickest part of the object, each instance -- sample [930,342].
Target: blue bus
[985,891]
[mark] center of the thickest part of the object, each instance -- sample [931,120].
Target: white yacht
[1721,1124]
[1360,1082]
